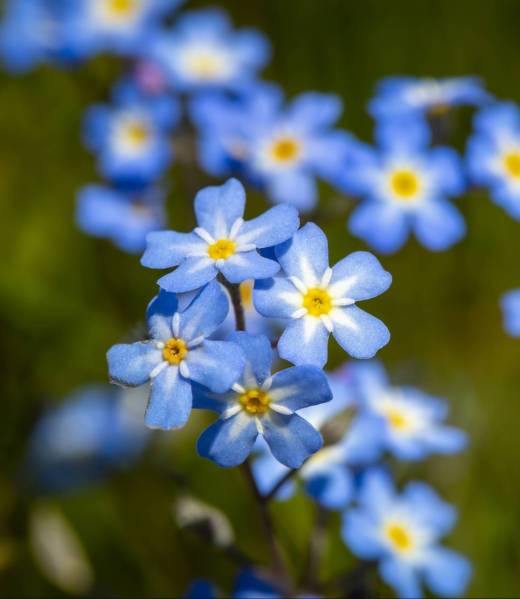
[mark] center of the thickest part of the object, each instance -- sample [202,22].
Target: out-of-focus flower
[202,51]
[401,95]
[201,589]
[178,353]
[319,301]
[221,243]
[283,149]
[511,312]
[402,532]
[124,218]
[261,404]
[493,154]
[96,429]
[249,585]
[405,186]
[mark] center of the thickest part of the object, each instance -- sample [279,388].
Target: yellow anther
[397,419]
[222,249]
[399,537]
[137,134]
[121,7]
[285,149]
[317,302]
[255,401]
[512,164]
[404,183]
[174,351]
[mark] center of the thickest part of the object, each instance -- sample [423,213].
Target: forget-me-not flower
[202,50]
[510,303]
[402,532]
[221,243]
[405,185]
[263,404]
[178,353]
[318,300]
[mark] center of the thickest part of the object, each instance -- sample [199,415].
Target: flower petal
[189,275]
[218,207]
[439,225]
[270,228]
[359,276]
[206,312]
[447,573]
[268,471]
[295,187]
[360,534]
[383,226]
[276,298]
[360,334]
[131,364]
[216,364]
[170,400]
[258,354]
[300,387]
[331,487]
[169,248]
[248,265]
[305,341]
[402,577]
[159,314]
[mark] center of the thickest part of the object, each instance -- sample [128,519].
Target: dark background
[65,298]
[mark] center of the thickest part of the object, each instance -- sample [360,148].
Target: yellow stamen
[121,7]
[137,134]
[174,351]
[204,66]
[399,537]
[512,164]
[404,183]
[397,419]
[285,149]
[317,302]
[222,249]
[255,401]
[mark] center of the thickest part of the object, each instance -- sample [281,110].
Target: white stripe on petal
[231,411]
[184,370]
[197,341]
[176,324]
[204,235]
[327,276]
[266,385]
[246,247]
[259,426]
[158,369]
[237,388]
[280,409]
[302,288]
[159,345]
[235,228]
[299,313]
[343,301]
[327,322]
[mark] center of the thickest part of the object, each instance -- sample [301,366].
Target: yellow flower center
[317,302]
[399,537]
[246,293]
[174,351]
[121,7]
[404,183]
[255,401]
[512,164]
[204,66]
[137,134]
[396,418]
[222,249]
[285,149]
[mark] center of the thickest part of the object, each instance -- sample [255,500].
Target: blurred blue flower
[201,589]
[177,354]
[124,218]
[318,300]
[261,404]
[283,149]
[405,185]
[202,51]
[76,443]
[221,243]
[131,138]
[249,585]
[511,312]
[402,532]
[493,154]
[405,95]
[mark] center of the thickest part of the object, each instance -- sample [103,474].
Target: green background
[65,298]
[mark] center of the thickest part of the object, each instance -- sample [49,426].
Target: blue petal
[383,226]
[361,534]
[170,400]
[131,364]
[248,265]
[300,387]
[445,439]
[228,442]
[360,334]
[270,228]
[359,276]
[447,573]
[402,577]
[207,312]
[169,248]
[363,442]
[296,188]
[313,110]
[290,438]
[377,494]
[159,315]
[218,207]
[252,47]
[268,471]
[428,508]
[439,225]
[250,586]
[331,487]
[449,174]
[215,364]
[191,274]
[258,354]
[511,312]
[305,341]
[200,589]
[369,380]
[410,132]
[276,298]
[306,255]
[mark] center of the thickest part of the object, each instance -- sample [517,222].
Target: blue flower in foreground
[261,404]
[511,312]
[124,218]
[222,241]
[249,585]
[318,300]
[131,138]
[493,154]
[402,532]
[412,421]
[201,589]
[405,185]
[177,354]
[202,51]
[76,443]
[401,95]
[284,149]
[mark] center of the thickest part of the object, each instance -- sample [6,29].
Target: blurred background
[65,298]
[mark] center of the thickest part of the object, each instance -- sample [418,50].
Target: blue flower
[201,589]
[203,51]
[411,95]
[177,354]
[249,585]
[412,421]
[283,149]
[402,532]
[96,429]
[131,139]
[261,404]
[493,154]
[318,300]
[511,312]
[124,218]
[222,241]
[405,186]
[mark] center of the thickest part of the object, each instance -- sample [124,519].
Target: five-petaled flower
[178,353]
[319,300]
